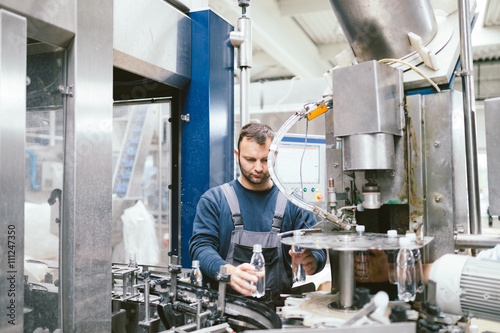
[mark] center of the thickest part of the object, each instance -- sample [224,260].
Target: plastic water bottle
[362,258]
[419,275]
[195,277]
[299,273]
[132,261]
[406,271]
[259,264]
[392,239]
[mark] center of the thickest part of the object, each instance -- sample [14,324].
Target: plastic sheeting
[139,234]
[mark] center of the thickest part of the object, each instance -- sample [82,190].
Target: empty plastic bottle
[132,261]
[299,273]
[259,263]
[419,275]
[362,258]
[195,277]
[392,239]
[406,271]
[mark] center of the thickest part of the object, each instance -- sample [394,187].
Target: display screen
[288,163]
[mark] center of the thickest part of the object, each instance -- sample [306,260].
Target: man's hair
[256,132]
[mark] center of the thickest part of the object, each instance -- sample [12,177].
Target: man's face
[252,159]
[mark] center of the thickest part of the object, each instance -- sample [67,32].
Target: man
[224,235]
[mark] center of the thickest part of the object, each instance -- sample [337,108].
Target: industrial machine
[407,154]
[398,154]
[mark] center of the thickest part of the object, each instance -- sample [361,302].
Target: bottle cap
[404,242]
[360,228]
[392,233]
[411,235]
[257,248]
[196,263]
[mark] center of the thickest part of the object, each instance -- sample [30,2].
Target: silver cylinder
[469,116]
[476,241]
[245,48]
[379,29]
[146,300]
[369,152]
[244,96]
[346,279]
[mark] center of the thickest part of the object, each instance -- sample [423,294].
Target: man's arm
[205,243]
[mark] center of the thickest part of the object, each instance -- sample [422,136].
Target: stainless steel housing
[379,29]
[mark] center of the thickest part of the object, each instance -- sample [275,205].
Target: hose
[271,161]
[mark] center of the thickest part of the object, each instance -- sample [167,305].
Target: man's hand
[240,277]
[307,259]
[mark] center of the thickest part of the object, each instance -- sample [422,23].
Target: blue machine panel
[207,150]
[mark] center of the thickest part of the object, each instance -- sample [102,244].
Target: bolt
[335,165]
[437,143]
[438,197]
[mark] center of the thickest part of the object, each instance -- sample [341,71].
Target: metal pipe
[146,300]
[346,279]
[244,96]
[469,115]
[242,39]
[223,278]
[465,241]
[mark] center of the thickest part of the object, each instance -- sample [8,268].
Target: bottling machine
[400,156]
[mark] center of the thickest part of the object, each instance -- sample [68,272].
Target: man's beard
[253,180]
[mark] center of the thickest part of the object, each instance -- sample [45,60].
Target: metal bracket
[66,90]
[185,117]
[464,72]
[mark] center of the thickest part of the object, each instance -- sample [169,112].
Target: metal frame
[87,208]
[436,168]
[13,49]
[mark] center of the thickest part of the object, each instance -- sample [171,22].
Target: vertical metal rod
[242,39]
[146,300]
[469,115]
[244,96]
[346,278]
[198,314]
[221,301]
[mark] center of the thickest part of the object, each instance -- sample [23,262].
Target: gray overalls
[242,241]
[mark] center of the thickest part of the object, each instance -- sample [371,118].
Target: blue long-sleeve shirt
[213,225]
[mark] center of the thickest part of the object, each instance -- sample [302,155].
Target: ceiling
[297,38]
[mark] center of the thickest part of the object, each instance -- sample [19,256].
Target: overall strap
[279,211]
[234,206]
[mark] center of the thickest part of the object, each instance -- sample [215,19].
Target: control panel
[301,167]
